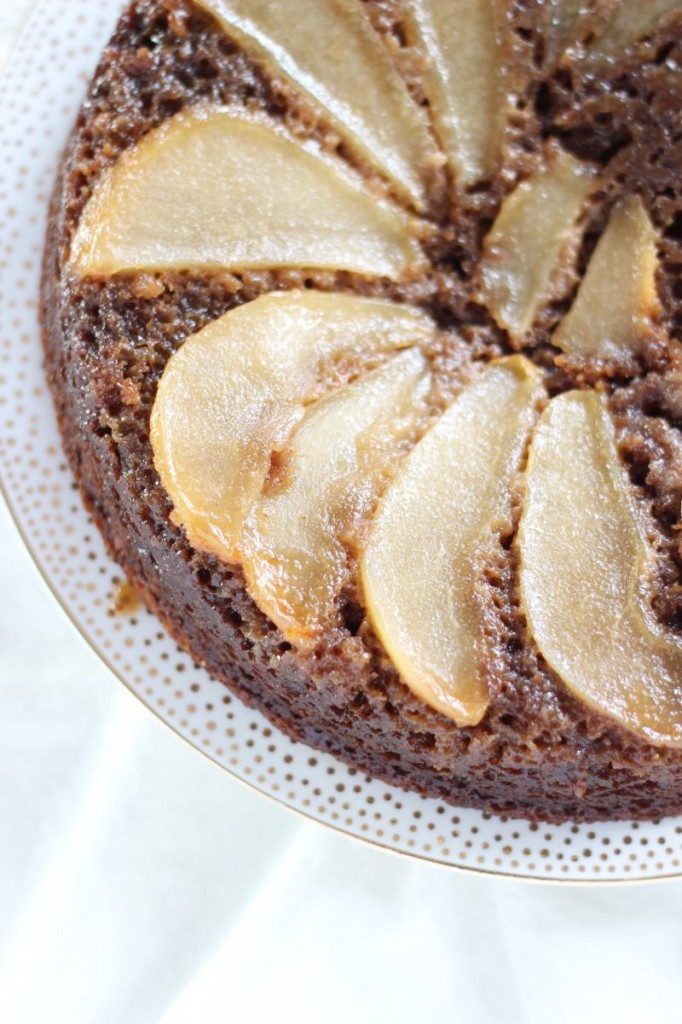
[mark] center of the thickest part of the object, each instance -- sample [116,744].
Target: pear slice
[631,21]
[586,567]
[617,299]
[464,82]
[217,188]
[232,393]
[438,522]
[329,52]
[563,17]
[295,560]
[536,230]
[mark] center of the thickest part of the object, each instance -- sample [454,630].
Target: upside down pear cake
[362,319]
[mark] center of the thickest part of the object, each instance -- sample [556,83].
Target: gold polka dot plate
[42,88]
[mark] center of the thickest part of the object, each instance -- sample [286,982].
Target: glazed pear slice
[214,188]
[329,52]
[586,570]
[631,21]
[233,392]
[563,17]
[295,560]
[438,523]
[464,82]
[536,231]
[617,299]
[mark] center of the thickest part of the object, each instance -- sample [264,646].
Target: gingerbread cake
[362,320]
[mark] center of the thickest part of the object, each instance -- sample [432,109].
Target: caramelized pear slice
[535,231]
[438,523]
[617,299]
[563,17]
[464,82]
[233,392]
[295,560]
[216,188]
[586,568]
[329,52]
[631,21]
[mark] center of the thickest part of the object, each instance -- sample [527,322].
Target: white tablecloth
[140,884]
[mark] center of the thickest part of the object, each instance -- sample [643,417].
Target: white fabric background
[139,884]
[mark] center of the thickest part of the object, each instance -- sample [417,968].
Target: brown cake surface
[538,752]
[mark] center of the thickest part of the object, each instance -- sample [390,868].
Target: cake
[361,320]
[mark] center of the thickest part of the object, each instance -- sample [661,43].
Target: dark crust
[538,752]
